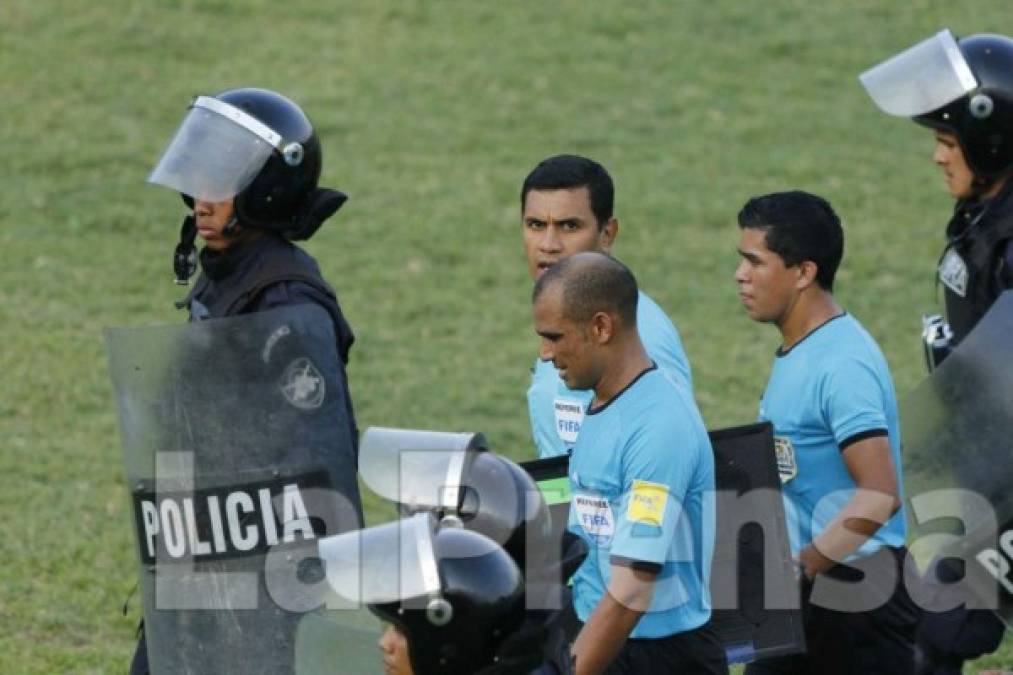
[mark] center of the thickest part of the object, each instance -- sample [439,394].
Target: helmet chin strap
[232,228]
[184,258]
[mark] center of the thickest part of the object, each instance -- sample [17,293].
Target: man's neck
[811,310]
[626,366]
[994,189]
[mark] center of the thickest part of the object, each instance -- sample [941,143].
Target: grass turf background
[430,115]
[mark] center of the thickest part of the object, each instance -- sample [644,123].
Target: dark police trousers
[879,641]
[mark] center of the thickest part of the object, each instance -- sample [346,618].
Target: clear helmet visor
[920,79]
[417,469]
[393,562]
[216,153]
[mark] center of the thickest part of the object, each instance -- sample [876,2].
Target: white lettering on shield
[244,520]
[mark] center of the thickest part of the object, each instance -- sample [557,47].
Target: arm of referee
[870,463]
[603,636]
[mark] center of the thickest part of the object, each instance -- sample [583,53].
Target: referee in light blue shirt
[831,401]
[642,477]
[566,208]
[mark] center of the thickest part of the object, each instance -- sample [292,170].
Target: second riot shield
[958,436]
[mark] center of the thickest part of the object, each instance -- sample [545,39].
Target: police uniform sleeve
[287,293]
[851,401]
[298,292]
[656,477]
[1004,268]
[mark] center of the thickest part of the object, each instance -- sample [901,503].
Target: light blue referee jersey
[829,390]
[556,411]
[642,476]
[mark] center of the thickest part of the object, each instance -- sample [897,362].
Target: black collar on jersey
[781,351]
[653,366]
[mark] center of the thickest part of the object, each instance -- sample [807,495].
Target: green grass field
[430,115]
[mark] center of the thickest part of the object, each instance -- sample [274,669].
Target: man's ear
[807,271]
[608,234]
[602,328]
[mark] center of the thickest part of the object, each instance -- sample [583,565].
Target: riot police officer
[455,480]
[247,164]
[455,595]
[962,90]
[964,94]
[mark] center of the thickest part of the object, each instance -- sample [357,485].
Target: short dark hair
[592,282]
[568,172]
[798,226]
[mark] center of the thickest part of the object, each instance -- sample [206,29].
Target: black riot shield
[754,590]
[958,462]
[239,456]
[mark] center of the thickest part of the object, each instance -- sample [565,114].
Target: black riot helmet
[259,149]
[964,87]
[279,190]
[454,477]
[500,500]
[455,594]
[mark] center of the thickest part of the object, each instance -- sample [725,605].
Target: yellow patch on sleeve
[647,503]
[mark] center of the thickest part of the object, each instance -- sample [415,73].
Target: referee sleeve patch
[861,436]
[647,503]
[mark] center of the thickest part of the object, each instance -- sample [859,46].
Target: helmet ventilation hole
[293,154]
[439,612]
[981,106]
